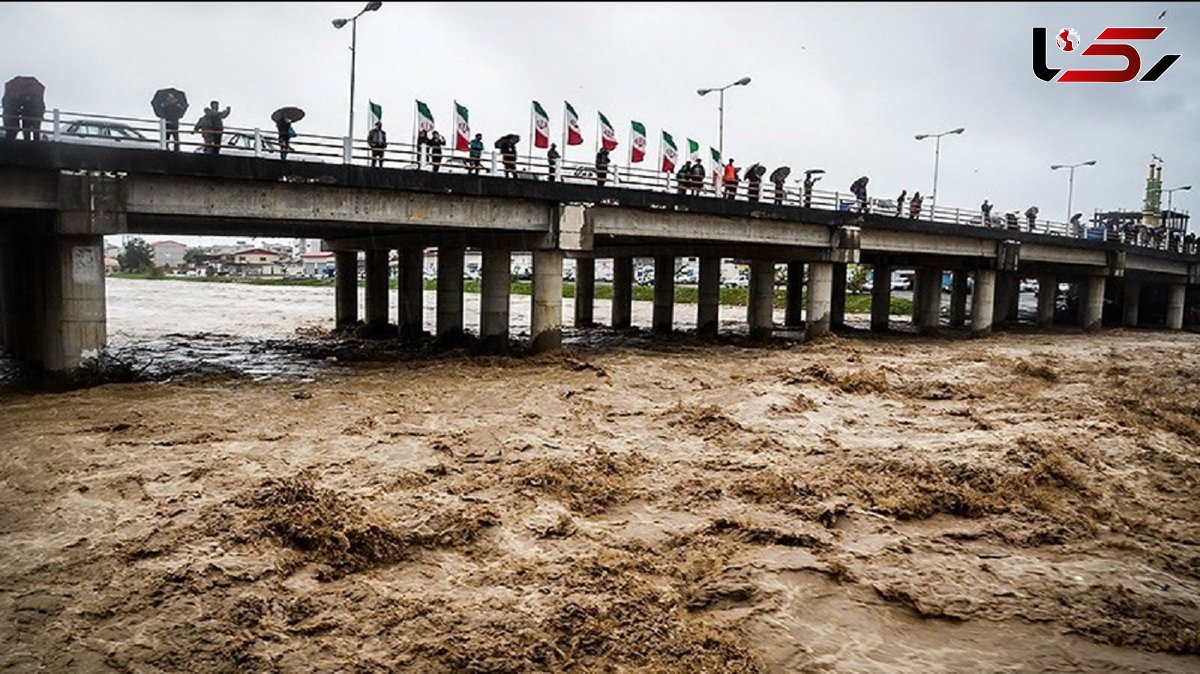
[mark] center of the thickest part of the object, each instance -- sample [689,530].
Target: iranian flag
[608,135]
[670,154]
[638,142]
[574,135]
[462,130]
[693,149]
[376,112]
[424,118]
[716,159]
[541,126]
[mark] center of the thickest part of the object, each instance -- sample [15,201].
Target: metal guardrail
[118,131]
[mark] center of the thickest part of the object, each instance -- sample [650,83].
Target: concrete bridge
[58,200]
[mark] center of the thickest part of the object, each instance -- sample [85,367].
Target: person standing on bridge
[731,180]
[987,213]
[900,202]
[859,188]
[1031,216]
[211,126]
[286,133]
[476,152]
[698,174]
[377,140]
[552,157]
[914,206]
[754,181]
[436,141]
[809,181]
[602,162]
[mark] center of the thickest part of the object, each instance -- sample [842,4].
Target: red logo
[1110,42]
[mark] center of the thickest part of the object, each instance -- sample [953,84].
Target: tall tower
[1152,206]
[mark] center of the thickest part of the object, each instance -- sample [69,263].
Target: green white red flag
[670,154]
[693,149]
[608,135]
[637,142]
[574,135]
[462,129]
[541,126]
[424,118]
[716,163]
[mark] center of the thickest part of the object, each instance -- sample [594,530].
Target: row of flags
[572,134]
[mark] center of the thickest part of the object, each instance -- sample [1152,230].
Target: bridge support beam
[1047,294]
[622,301]
[958,299]
[494,296]
[1176,293]
[1091,309]
[75,309]
[794,309]
[545,330]
[820,289]
[1002,302]
[837,305]
[410,290]
[377,288]
[345,283]
[664,294]
[707,309]
[1129,303]
[449,291]
[930,288]
[585,292]
[983,301]
[881,298]
[760,307]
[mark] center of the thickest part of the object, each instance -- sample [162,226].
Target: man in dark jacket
[211,127]
[377,140]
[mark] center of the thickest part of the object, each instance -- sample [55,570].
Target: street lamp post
[937,154]
[1174,189]
[338,23]
[721,111]
[1071,182]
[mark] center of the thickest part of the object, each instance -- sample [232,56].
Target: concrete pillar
[410,288]
[345,287]
[622,301]
[664,294]
[837,305]
[707,311]
[450,291]
[958,299]
[377,288]
[1175,301]
[1129,303]
[585,292]
[983,299]
[1003,298]
[1014,299]
[931,300]
[545,329]
[760,306]
[76,314]
[881,298]
[1091,309]
[918,294]
[1047,292]
[794,309]
[494,295]
[820,290]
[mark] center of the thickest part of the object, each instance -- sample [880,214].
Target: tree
[137,257]
[858,280]
[194,256]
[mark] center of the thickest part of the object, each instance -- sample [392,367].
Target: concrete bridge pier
[377,289]
[1047,293]
[1091,308]
[958,299]
[494,296]
[410,289]
[585,292]
[820,290]
[622,301]
[760,305]
[793,310]
[983,302]
[545,330]
[707,309]
[345,288]
[1129,303]
[664,294]
[881,298]
[837,305]
[450,291]
[1176,293]
[930,289]
[1002,301]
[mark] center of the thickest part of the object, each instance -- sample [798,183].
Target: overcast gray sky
[842,87]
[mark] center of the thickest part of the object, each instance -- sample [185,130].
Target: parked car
[901,283]
[103,132]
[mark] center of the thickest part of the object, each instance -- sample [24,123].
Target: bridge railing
[121,131]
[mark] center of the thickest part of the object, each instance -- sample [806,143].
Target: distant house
[257,262]
[111,264]
[316,264]
[168,253]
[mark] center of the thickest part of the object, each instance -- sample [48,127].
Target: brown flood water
[1022,503]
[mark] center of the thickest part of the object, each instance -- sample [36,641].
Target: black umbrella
[24,87]
[169,104]
[291,113]
[510,138]
[755,171]
[780,174]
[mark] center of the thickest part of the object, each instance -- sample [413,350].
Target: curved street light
[353,21]
[721,111]
[937,154]
[1175,189]
[1071,188]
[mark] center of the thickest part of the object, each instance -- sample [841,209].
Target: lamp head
[921,136]
[1055,167]
[372,6]
[1090,163]
[744,81]
[1185,187]
[703,91]
[338,23]
[959,130]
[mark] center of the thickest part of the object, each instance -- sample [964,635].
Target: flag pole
[562,155]
[529,157]
[416,114]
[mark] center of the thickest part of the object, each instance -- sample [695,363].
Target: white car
[102,132]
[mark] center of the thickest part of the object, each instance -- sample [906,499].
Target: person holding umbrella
[283,118]
[507,145]
[24,105]
[778,177]
[170,104]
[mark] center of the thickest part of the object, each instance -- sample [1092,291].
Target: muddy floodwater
[1024,503]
